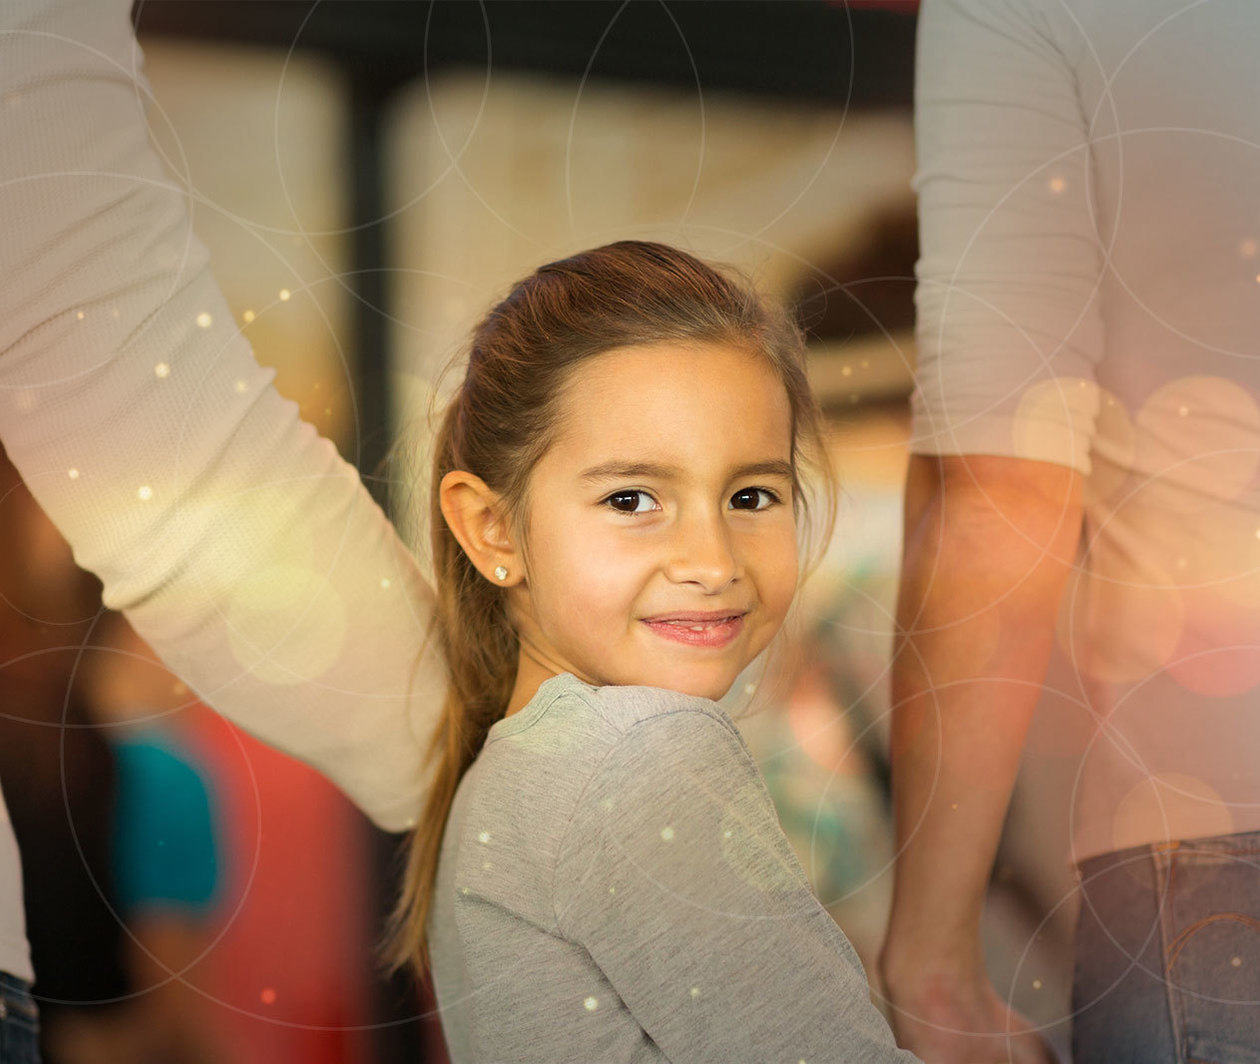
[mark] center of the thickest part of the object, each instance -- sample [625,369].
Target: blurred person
[166,852]
[1083,498]
[240,877]
[60,773]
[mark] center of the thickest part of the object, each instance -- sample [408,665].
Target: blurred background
[369,178]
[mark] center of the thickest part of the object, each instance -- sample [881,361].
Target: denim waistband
[1226,845]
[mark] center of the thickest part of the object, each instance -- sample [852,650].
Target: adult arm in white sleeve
[234,538]
[676,877]
[1009,334]
[1009,275]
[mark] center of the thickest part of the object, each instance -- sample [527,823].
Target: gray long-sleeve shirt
[614,886]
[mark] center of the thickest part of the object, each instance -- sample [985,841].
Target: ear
[477,518]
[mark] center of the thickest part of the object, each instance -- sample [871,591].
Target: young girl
[599,874]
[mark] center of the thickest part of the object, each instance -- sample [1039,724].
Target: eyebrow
[621,468]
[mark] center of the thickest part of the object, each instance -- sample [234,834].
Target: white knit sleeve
[235,539]
[1008,278]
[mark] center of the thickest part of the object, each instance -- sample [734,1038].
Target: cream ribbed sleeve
[1009,319]
[235,539]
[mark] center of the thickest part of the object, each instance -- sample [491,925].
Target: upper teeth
[699,627]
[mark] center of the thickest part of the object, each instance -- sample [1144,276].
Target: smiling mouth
[717,632]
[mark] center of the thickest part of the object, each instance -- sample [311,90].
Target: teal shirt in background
[165,826]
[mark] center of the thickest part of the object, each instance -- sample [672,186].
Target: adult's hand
[958,1018]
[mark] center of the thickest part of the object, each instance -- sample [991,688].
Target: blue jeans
[19,1022]
[1168,954]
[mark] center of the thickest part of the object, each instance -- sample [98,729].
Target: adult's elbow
[983,527]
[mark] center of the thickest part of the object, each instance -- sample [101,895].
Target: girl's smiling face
[703,522]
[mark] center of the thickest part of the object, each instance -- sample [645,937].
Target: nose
[701,552]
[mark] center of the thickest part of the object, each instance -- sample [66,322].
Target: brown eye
[752,493]
[624,495]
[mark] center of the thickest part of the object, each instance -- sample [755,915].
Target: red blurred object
[291,968]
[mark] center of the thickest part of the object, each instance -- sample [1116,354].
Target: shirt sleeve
[1010,263]
[236,540]
[677,879]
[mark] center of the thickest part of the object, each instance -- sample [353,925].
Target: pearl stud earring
[500,573]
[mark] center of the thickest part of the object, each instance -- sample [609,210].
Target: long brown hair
[502,420]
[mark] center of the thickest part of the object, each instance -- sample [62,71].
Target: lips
[709,630]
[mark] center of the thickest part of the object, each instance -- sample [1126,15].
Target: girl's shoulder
[623,706]
[573,732]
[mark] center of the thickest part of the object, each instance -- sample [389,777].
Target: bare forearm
[989,543]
